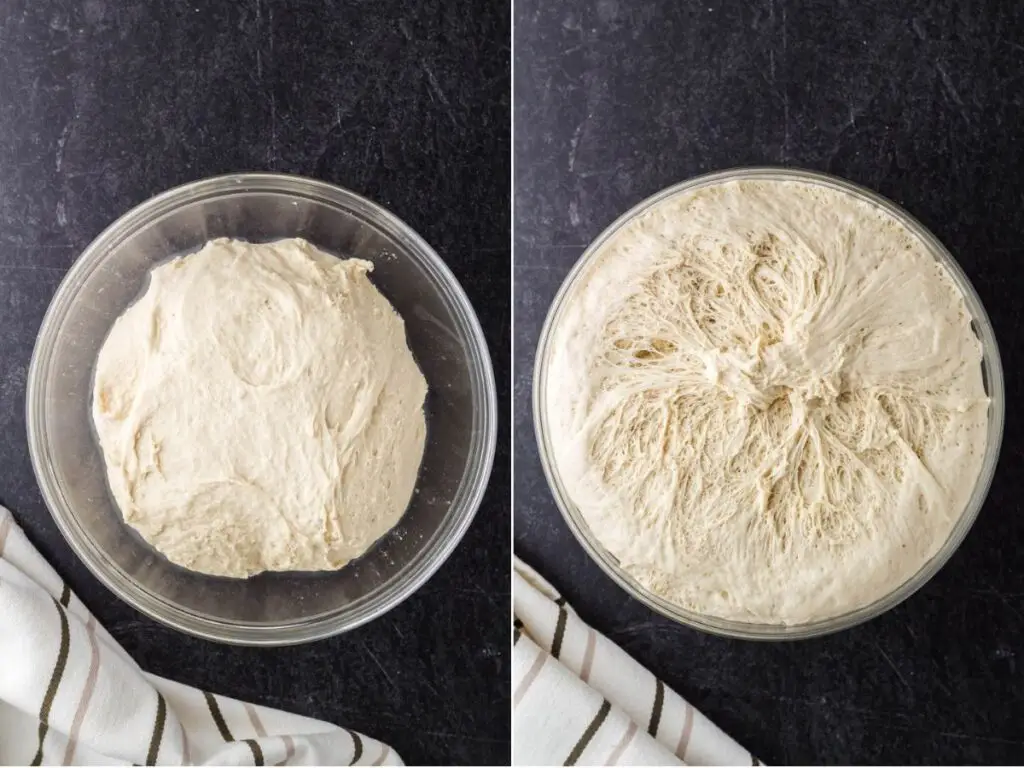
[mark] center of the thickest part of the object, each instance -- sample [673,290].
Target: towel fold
[579,699]
[69,694]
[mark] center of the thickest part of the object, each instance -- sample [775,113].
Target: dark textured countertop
[615,100]
[104,103]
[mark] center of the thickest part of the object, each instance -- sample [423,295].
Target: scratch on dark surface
[259,57]
[32,268]
[1015,46]
[380,666]
[436,88]
[978,737]
[918,30]
[573,143]
[889,661]
[631,629]
[126,627]
[600,172]
[466,736]
[939,682]
[272,146]
[851,122]
[947,82]
[888,724]
[574,213]
[63,140]
[815,702]
[557,246]
[18,241]
[910,631]
[1003,599]
[430,685]
[785,94]
[990,592]
[535,267]
[475,592]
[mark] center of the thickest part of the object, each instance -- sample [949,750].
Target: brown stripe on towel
[556,641]
[529,677]
[158,730]
[289,749]
[90,685]
[624,742]
[254,718]
[218,718]
[659,702]
[588,734]
[257,753]
[55,678]
[684,737]
[357,746]
[588,655]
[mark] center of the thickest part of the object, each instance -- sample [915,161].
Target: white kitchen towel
[70,695]
[579,699]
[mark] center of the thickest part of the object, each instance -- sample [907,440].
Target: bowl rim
[991,366]
[465,502]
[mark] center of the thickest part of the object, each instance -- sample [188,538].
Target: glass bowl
[991,369]
[443,334]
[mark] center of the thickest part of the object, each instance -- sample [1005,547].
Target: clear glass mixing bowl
[443,333]
[991,368]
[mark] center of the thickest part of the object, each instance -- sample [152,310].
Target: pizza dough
[259,410]
[766,400]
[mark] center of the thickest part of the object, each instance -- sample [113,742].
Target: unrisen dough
[766,400]
[259,410]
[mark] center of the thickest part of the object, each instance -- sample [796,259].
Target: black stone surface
[923,102]
[104,103]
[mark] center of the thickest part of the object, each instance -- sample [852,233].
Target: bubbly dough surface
[259,410]
[766,400]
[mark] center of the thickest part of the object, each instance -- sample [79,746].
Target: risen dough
[766,400]
[259,410]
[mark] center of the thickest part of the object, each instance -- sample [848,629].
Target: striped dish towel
[69,694]
[579,699]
